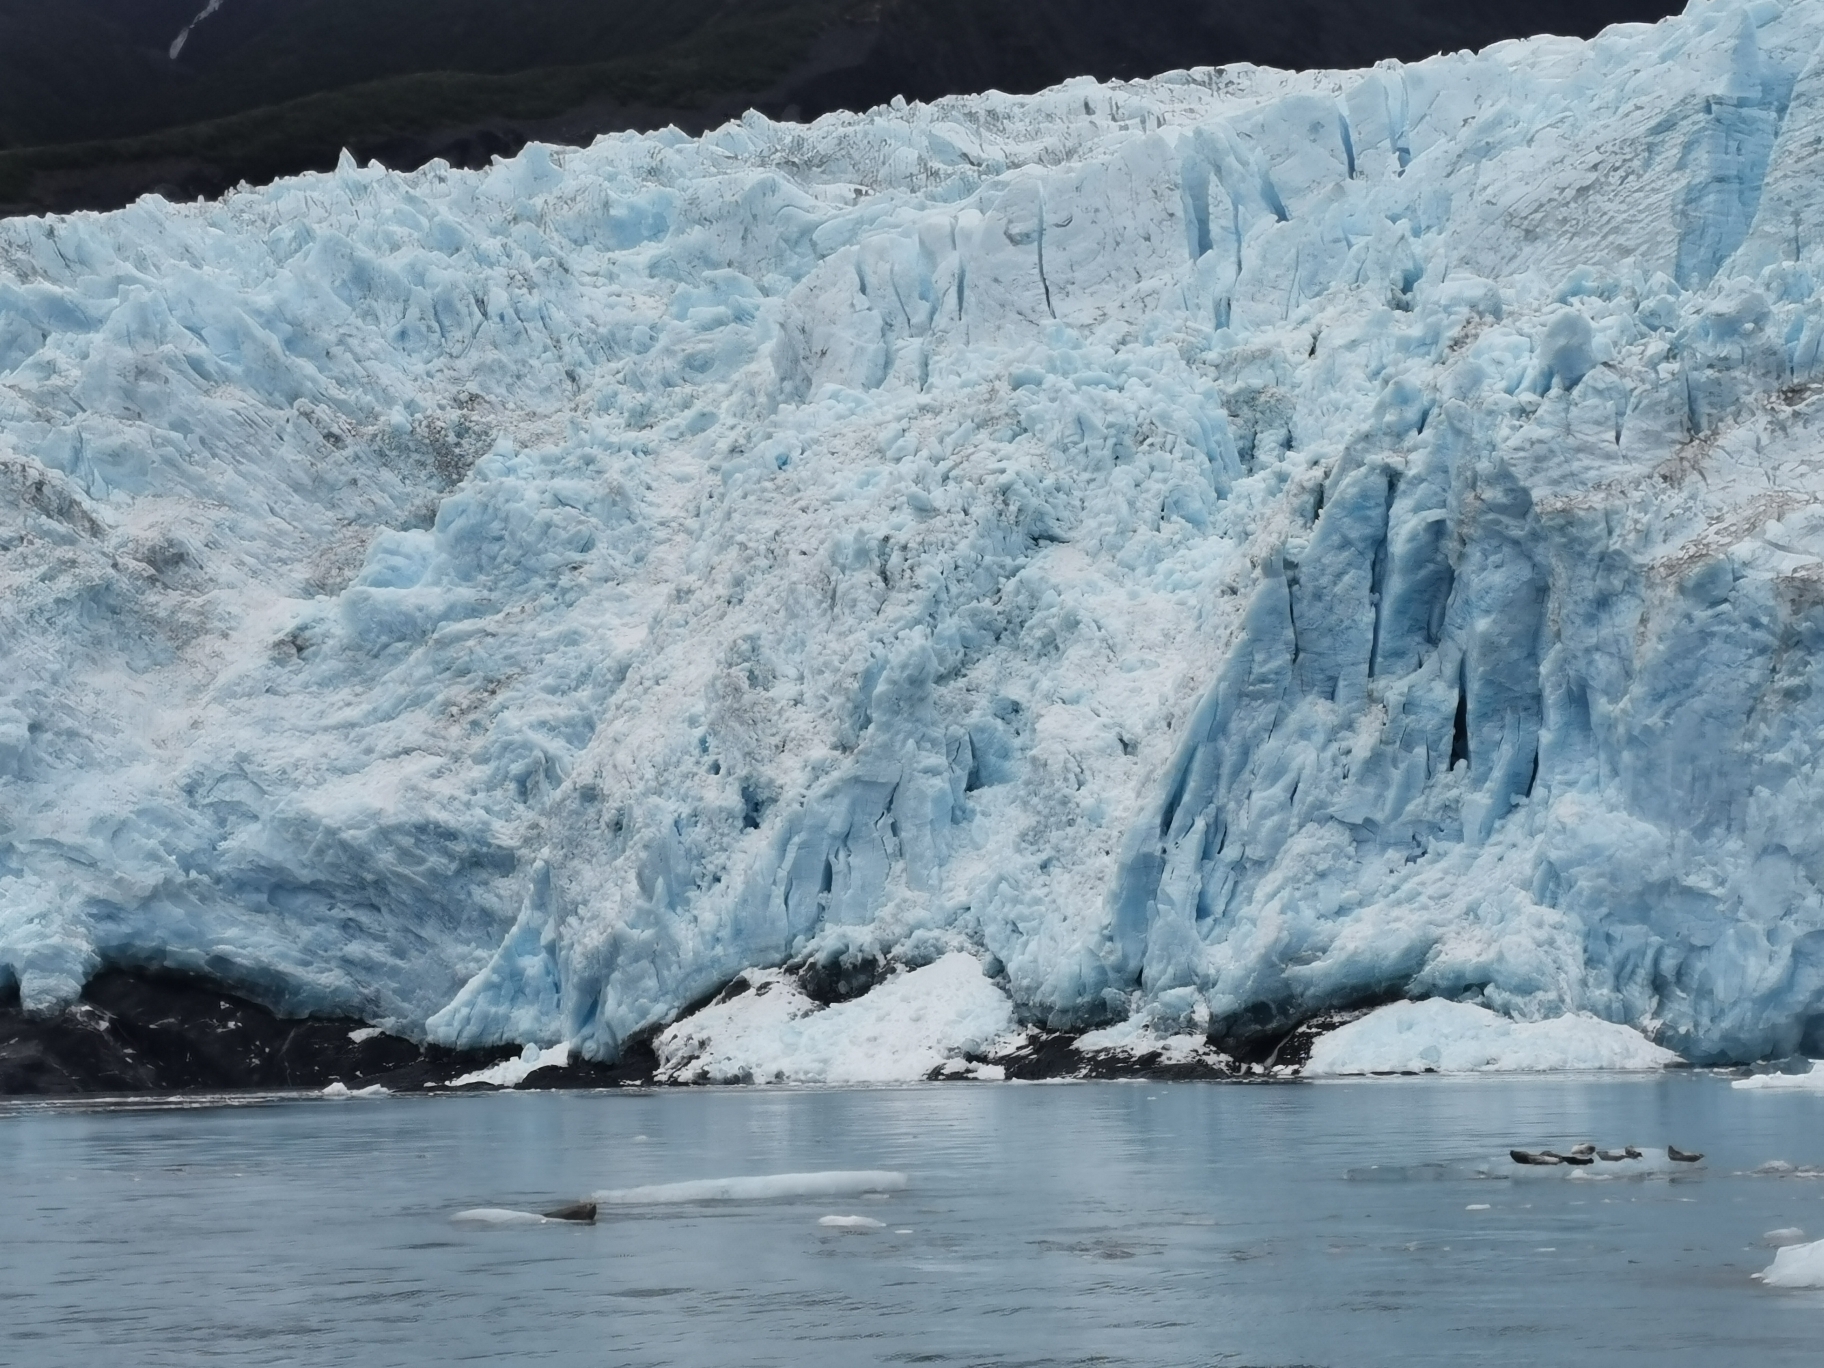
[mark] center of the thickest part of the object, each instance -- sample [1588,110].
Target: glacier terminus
[1180,555]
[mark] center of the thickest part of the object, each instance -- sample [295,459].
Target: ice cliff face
[1222,546]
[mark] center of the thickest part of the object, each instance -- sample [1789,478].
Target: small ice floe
[1785,1235]
[1779,1168]
[341,1089]
[1799,1265]
[1477,1206]
[362,1034]
[768,1188]
[851,1223]
[511,1073]
[1782,1082]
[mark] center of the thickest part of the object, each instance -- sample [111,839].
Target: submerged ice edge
[1216,547]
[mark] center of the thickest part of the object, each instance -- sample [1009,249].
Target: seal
[1674,1153]
[576,1211]
[1545,1158]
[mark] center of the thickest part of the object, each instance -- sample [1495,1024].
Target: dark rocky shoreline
[155,1032]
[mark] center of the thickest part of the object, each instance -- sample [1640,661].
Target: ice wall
[1235,544]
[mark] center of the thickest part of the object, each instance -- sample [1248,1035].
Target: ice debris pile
[1440,1036]
[1220,546]
[765,1029]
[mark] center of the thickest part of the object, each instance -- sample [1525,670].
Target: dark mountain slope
[94,111]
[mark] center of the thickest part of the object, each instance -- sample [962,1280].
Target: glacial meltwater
[1359,1223]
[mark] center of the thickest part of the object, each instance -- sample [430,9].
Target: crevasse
[1231,544]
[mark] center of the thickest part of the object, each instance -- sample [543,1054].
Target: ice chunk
[341,1089]
[1781,1238]
[851,1223]
[1799,1265]
[1456,1037]
[899,1031]
[770,1188]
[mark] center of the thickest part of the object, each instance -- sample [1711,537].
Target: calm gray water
[1074,1224]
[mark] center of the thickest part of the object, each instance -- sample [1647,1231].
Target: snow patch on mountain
[1223,547]
[177,43]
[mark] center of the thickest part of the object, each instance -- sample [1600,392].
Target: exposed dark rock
[1260,1049]
[1054,1054]
[1281,1037]
[94,112]
[137,1031]
[634,1068]
[841,976]
[140,1031]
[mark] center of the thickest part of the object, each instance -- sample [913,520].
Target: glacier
[1212,549]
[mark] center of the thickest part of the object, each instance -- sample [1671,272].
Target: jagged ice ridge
[1215,547]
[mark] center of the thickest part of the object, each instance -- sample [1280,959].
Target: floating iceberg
[1436,1036]
[1228,546]
[340,1089]
[1800,1265]
[1782,1082]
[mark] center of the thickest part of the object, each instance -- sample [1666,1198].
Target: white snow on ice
[1458,1037]
[899,1031]
[769,1188]
[1239,540]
